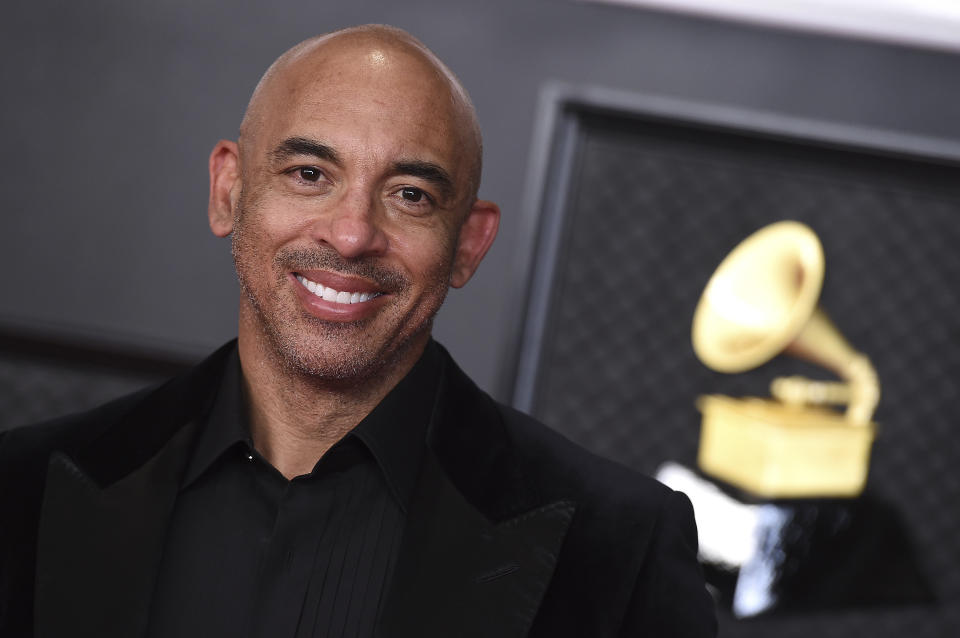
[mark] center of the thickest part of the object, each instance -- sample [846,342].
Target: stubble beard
[328,351]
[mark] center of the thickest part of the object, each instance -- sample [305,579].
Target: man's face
[354,189]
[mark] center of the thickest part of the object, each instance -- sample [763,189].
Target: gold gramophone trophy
[761,301]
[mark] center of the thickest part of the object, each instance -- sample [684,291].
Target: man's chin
[337,351]
[346,360]
[328,362]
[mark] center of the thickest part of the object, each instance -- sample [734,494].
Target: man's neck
[294,417]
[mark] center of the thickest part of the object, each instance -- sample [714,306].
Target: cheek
[428,256]
[247,237]
[251,244]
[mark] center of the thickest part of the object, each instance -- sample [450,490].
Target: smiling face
[352,207]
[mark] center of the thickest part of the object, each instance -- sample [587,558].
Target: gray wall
[110,108]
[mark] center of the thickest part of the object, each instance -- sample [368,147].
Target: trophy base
[774,450]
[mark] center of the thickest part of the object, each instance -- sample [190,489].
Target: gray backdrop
[110,108]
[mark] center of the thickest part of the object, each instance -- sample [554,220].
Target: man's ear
[476,236]
[224,186]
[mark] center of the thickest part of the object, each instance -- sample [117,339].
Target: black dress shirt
[249,553]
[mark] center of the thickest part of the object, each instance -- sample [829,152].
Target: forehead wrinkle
[425,138]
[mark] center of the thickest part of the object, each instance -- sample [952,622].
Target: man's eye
[309,173]
[411,194]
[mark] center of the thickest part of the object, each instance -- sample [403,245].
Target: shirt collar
[226,422]
[394,431]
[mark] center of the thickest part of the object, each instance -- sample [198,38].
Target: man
[332,472]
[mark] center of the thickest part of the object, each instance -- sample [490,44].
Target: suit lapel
[479,548]
[100,573]
[459,574]
[107,504]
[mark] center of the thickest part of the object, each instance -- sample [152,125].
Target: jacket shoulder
[554,464]
[630,558]
[124,431]
[25,450]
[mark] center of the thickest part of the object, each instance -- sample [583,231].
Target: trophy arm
[821,343]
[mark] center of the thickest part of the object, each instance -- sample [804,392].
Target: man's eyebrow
[429,172]
[303,146]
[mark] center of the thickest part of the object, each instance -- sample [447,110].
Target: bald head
[358,57]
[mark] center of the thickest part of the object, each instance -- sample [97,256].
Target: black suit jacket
[512,531]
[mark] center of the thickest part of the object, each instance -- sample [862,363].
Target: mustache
[326,258]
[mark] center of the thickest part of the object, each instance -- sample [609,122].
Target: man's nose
[353,226]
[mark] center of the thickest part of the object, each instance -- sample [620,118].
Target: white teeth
[337,296]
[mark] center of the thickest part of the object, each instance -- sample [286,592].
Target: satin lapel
[460,575]
[107,503]
[99,548]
